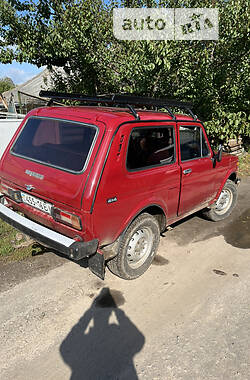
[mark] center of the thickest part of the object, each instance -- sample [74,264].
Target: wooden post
[3,101]
[20,102]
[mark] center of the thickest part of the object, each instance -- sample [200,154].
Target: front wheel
[225,203]
[137,248]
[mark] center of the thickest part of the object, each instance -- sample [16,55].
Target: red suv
[102,182]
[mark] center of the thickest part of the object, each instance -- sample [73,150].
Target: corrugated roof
[33,86]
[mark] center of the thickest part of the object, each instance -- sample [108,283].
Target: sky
[19,72]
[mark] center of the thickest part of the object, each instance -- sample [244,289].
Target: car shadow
[103,343]
[38,250]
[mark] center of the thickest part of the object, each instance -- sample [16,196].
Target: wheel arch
[232,176]
[152,209]
[137,247]
[156,211]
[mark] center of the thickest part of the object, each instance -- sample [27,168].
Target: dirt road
[188,317]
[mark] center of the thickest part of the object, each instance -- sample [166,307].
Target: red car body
[106,196]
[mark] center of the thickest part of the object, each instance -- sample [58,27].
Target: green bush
[228,125]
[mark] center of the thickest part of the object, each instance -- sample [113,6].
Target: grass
[9,239]
[244,164]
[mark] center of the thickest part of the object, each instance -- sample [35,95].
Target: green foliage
[6,84]
[228,125]
[77,35]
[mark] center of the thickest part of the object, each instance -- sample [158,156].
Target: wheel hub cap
[224,202]
[139,247]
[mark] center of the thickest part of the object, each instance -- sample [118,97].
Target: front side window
[55,142]
[151,146]
[192,143]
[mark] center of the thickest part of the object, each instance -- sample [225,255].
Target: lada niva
[103,181]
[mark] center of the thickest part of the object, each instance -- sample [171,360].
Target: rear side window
[192,143]
[62,144]
[150,147]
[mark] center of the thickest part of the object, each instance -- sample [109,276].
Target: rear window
[58,143]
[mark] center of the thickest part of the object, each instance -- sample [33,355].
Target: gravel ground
[186,318]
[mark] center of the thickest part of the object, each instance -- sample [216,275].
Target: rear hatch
[50,157]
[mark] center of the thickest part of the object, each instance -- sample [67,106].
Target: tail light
[13,194]
[4,189]
[67,218]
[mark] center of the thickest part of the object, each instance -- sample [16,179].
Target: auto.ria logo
[165,23]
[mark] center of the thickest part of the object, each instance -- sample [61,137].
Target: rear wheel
[225,203]
[137,248]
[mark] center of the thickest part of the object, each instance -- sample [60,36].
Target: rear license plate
[37,203]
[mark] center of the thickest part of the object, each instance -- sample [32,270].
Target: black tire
[224,206]
[137,248]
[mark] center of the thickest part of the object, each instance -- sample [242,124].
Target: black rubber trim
[79,250]
[96,264]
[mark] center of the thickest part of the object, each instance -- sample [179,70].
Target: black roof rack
[126,100]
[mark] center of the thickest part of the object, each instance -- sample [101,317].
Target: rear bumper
[67,246]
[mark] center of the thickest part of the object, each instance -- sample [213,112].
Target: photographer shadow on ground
[96,349]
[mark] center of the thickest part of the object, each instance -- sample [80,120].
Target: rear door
[197,172]
[142,169]
[52,157]
[152,170]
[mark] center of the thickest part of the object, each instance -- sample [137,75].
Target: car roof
[111,115]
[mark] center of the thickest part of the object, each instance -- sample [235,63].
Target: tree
[6,84]
[77,35]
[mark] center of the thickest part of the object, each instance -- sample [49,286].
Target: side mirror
[219,154]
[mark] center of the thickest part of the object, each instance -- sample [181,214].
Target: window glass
[192,143]
[150,146]
[55,142]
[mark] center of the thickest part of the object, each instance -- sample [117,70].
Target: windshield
[63,144]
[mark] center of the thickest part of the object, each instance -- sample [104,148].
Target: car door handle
[187,171]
